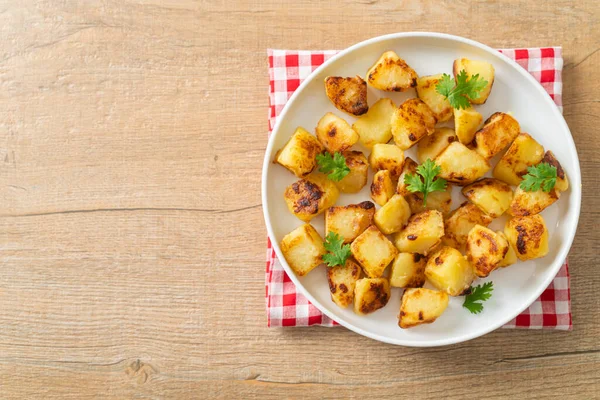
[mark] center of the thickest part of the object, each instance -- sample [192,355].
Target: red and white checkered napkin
[288,307]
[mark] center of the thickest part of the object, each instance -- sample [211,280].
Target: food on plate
[498,131]
[421,306]
[347,94]
[299,153]
[491,195]
[393,216]
[431,146]
[460,222]
[411,122]
[349,221]
[483,69]
[562,182]
[373,251]
[356,178]
[422,233]
[511,256]
[449,271]
[409,167]
[382,188]
[408,270]
[466,123]
[389,157]
[303,249]
[426,91]
[335,134]
[311,196]
[485,250]
[374,126]
[478,294]
[391,73]
[524,152]
[528,235]
[461,165]
[371,294]
[342,281]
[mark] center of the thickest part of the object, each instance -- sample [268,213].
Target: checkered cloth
[288,307]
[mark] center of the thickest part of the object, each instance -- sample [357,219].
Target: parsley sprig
[540,176]
[479,294]
[334,165]
[460,91]
[428,171]
[338,252]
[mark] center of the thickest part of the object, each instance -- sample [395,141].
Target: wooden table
[132,238]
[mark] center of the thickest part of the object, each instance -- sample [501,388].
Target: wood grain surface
[132,241]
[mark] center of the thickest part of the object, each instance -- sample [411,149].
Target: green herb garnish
[459,91]
[428,171]
[479,294]
[334,165]
[338,252]
[540,176]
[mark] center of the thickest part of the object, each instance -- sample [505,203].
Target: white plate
[514,90]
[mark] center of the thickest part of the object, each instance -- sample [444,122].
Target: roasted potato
[439,200]
[303,249]
[431,146]
[389,157]
[460,222]
[466,123]
[491,195]
[349,221]
[485,250]
[342,281]
[411,122]
[449,271]
[529,203]
[499,131]
[347,94]
[373,251]
[391,73]
[382,188]
[335,133]
[359,170]
[511,256]
[460,164]
[409,167]
[393,216]
[528,236]
[311,196]
[427,92]
[408,270]
[374,126]
[562,182]
[522,153]
[421,306]
[371,294]
[472,67]
[423,232]
[299,155]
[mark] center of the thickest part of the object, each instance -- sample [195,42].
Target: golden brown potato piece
[449,271]
[359,170]
[431,146]
[374,126]
[491,195]
[349,221]
[466,123]
[511,256]
[439,104]
[389,157]
[347,94]
[461,165]
[371,294]
[409,167]
[522,153]
[411,122]
[373,251]
[311,196]
[408,270]
[529,203]
[393,216]
[485,250]
[299,155]
[528,236]
[303,249]
[423,232]
[391,73]
[472,67]
[421,306]
[460,222]
[439,200]
[499,131]
[335,133]
[382,188]
[562,182]
[342,281]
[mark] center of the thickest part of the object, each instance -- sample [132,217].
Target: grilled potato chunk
[408,270]
[374,126]
[472,67]
[371,294]
[409,167]
[522,153]
[359,170]
[466,123]
[562,182]
[391,73]
[303,249]
[349,221]
[421,306]
[393,216]
[460,223]
[449,271]
[439,104]
[423,232]
[528,236]
[411,122]
[485,250]
[499,131]
[511,256]
[373,251]
[342,281]
[431,146]
[491,195]
[440,200]
[529,203]
[310,196]
[335,133]
[299,155]
[387,156]
[382,188]
[461,165]
[347,94]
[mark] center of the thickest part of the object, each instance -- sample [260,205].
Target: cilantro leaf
[460,91]
[338,252]
[428,171]
[541,176]
[334,165]
[479,294]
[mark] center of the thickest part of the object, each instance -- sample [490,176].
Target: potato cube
[423,232]
[522,153]
[491,195]
[393,216]
[374,126]
[472,67]
[461,165]
[411,122]
[373,251]
[408,270]
[439,200]
[387,156]
[499,131]
[311,196]
[371,294]
[528,236]
[529,203]
[342,281]
[511,256]
[466,123]
[448,270]
[347,94]
[335,133]
[409,167]
[303,248]
[562,182]
[460,222]
[421,306]
[485,250]
[431,146]
[382,188]
[427,92]
[349,221]
[391,73]
[359,171]
[299,155]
